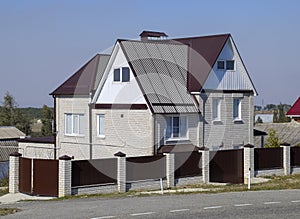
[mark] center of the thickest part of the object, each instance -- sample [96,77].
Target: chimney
[152,35]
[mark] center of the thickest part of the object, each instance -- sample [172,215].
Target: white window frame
[121,75]
[80,118]
[180,137]
[224,61]
[238,110]
[225,65]
[234,64]
[99,116]
[218,109]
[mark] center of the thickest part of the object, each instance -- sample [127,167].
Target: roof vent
[152,35]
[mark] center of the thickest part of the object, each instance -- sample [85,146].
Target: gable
[120,92]
[237,79]
[295,109]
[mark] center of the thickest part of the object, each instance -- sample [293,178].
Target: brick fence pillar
[121,172]
[14,172]
[64,176]
[248,162]
[205,164]
[170,169]
[286,158]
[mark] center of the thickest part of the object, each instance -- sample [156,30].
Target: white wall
[120,92]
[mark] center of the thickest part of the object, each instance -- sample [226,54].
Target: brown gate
[25,175]
[227,166]
[45,177]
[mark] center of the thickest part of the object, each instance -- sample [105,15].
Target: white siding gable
[119,92]
[237,79]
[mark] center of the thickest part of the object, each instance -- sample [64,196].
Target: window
[216,109]
[101,125]
[237,109]
[117,76]
[230,65]
[221,65]
[124,76]
[176,127]
[74,124]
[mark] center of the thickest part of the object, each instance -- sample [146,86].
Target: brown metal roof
[84,80]
[43,139]
[153,34]
[203,53]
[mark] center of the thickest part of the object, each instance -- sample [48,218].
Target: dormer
[153,35]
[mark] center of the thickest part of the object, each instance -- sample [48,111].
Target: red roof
[295,109]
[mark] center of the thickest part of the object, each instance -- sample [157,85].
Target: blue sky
[43,42]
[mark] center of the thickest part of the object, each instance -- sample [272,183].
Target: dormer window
[121,74]
[228,65]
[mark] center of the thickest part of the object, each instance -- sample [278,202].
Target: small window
[216,109]
[125,74]
[117,76]
[101,125]
[176,127]
[221,65]
[74,124]
[236,109]
[230,65]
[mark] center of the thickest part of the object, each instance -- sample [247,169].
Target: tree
[279,114]
[47,121]
[273,140]
[10,115]
[259,120]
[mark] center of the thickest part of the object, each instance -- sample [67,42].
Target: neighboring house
[266,116]
[153,94]
[294,112]
[9,137]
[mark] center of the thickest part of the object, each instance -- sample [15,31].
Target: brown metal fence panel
[227,166]
[92,172]
[143,168]
[45,177]
[25,175]
[295,156]
[188,164]
[268,158]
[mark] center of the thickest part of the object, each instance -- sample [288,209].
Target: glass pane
[215,109]
[236,103]
[125,74]
[81,124]
[101,125]
[183,126]
[230,65]
[221,65]
[169,127]
[68,128]
[75,124]
[175,127]
[117,74]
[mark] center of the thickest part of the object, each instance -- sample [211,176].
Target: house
[155,94]
[294,112]
[266,116]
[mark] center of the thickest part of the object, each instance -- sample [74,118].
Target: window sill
[102,137]
[217,122]
[74,135]
[238,121]
[173,140]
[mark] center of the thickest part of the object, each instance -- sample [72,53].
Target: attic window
[221,65]
[230,65]
[124,76]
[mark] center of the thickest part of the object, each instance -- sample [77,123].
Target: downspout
[153,142]
[54,126]
[90,127]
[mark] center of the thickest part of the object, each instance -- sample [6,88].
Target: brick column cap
[120,154]
[15,154]
[65,157]
[248,146]
[285,144]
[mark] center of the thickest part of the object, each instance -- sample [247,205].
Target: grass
[6,211]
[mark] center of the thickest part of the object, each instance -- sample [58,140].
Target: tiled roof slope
[203,53]
[10,132]
[86,79]
[295,109]
[160,67]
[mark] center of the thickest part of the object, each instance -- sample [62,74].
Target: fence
[268,158]
[295,156]
[188,164]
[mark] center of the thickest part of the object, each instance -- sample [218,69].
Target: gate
[45,177]
[227,166]
[25,175]
[38,177]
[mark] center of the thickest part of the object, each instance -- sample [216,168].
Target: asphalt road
[260,204]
